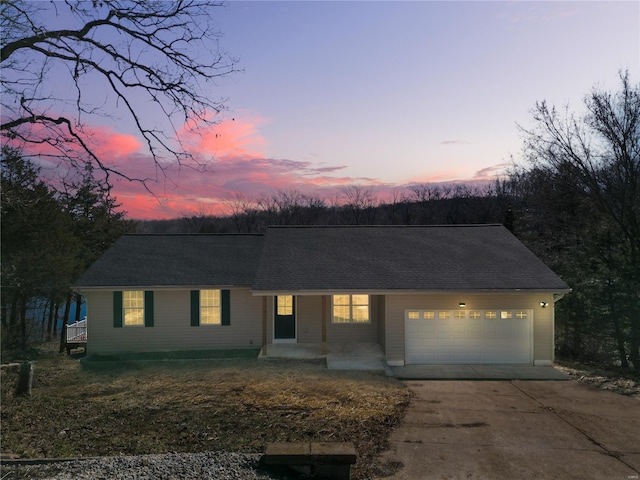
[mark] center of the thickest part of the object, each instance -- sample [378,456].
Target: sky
[383,95]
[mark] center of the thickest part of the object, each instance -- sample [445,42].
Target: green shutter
[195,308]
[226,307]
[148,309]
[117,309]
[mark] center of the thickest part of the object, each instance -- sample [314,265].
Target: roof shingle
[432,258]
[176,260]
[297,259]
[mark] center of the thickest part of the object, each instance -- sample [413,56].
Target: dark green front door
[285,318]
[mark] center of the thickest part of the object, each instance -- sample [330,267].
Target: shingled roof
[375,258]
[329,259]
[176,260]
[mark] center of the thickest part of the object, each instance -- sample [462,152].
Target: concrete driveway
[516,430]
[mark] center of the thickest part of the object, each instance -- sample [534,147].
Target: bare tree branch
[136,54]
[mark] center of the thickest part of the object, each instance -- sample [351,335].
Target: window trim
[350,305]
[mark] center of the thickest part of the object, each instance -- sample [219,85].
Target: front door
[284,322]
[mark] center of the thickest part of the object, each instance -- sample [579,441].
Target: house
[460,294]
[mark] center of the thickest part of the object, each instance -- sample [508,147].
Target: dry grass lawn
[198,405]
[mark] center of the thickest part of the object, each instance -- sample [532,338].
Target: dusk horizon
[380,95]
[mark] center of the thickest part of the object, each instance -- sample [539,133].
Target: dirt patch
[622,383]
[195,406]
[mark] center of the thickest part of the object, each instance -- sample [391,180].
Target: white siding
[309,319]
[172,328]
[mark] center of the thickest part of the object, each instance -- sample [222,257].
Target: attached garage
[458,294]
[496,336]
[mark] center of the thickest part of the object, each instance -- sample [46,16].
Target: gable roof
[328,259]
[140,260]
[374,258]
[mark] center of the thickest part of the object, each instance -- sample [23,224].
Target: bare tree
[69,65]
[242,212]
[195,220]
[600,152]
[290,207]
[360,203]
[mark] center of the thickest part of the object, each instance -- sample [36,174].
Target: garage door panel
[475,330]
[459,328]
[497,336]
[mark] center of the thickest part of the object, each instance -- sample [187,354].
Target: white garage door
[468,336]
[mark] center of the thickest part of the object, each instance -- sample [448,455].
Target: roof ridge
[458,225]
[192,234]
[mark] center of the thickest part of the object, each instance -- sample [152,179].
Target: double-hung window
[210,307]
[350,309]
[133,307]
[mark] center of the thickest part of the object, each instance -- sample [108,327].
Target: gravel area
[185,466]
[603,379]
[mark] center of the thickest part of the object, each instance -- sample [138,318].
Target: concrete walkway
[515,430]
[355,356]
[477,372]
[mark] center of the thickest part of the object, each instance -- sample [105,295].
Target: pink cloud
[229,160]
[110,144]
[249,177]
[228,138]
[190,190]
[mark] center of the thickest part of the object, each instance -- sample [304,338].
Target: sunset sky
[382,94]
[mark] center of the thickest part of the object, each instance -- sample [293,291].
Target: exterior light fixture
[462,304]
[543,304]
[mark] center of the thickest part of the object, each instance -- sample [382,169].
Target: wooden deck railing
[77,332]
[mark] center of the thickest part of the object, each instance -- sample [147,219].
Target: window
[285,304]
[505,314]
[490,315]
[521,314]
[210,307]
[474,314]
[413,315]
[133,307]
[459,314]
[350,309]
[429,315]
[443,315]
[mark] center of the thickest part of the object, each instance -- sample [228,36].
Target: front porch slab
[340,356]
